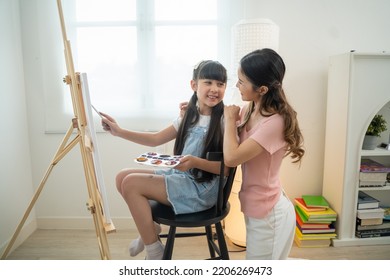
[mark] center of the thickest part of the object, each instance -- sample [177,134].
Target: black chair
[163,214]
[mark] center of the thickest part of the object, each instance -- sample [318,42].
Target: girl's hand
[232,112]
[109,124]
[187,162]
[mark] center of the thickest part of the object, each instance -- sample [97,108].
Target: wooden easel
[79,123]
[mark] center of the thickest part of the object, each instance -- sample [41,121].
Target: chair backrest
[228,186]
[225,186]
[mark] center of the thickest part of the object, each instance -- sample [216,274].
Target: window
[139,54]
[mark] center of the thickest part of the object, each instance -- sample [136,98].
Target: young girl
[193,184]
[268,132]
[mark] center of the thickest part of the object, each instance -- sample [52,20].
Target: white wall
[15,162]
[310,32]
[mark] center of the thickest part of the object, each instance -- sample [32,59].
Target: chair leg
[210,240]
[169,243]
[221,241]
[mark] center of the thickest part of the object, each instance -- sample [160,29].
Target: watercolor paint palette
[158,160]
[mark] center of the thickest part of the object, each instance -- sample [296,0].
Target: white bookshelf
[358,88]
[376,152]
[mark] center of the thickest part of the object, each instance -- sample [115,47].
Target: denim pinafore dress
[184,193]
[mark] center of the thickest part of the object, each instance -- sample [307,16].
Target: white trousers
[271,238]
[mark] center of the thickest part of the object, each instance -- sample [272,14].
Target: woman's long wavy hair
[266,68]
[213,70]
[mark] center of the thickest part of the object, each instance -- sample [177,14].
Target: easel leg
[61,152]
[94,204]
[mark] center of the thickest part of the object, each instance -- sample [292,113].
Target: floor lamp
[247,36]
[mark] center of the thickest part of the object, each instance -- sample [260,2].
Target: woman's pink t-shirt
[261,187]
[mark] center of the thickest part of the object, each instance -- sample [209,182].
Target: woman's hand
[183,108]
[109,124]
[232,113]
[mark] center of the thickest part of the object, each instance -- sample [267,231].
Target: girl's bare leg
[123,173]
[137,245]
[137,189]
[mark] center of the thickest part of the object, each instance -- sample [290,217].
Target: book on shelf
[372,173]
[372,179]
[364,183]
[370,213]
[373,176]
[316,230]
[311,236]
[301,203]
[383,225]
[308,225]
[315,201]
[368,222]
[366,201]
[313,243]
[370,166]
[372,233]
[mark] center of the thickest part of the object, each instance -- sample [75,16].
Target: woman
[267,132]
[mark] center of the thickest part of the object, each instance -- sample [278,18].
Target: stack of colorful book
[314,221]
[371,218]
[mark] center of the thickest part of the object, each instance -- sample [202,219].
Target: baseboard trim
[24,233]
[81,223]
[345,242]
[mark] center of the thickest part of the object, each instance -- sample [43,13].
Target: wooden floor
[82,245]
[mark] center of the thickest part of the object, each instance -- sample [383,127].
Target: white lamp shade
[249,35]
